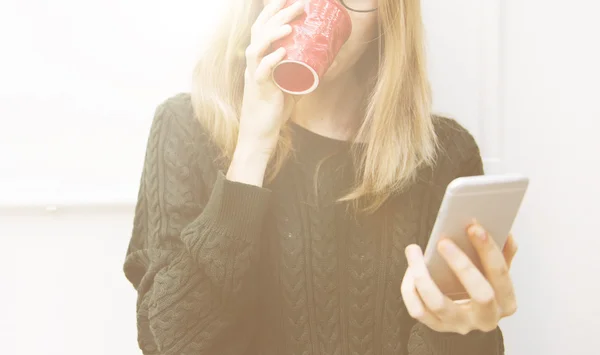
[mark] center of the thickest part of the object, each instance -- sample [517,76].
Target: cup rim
[307,91]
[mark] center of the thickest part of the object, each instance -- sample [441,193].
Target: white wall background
[551,121]
[79,82]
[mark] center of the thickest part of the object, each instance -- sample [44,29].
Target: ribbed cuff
[235,208]
[475,343]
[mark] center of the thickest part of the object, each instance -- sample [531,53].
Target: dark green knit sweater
[224,268]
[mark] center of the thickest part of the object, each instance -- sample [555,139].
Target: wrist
[255,149]
[248,164]
[261,145]
[251,157]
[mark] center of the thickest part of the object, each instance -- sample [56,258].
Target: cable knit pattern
[325,269]
[227,268]
[362,279]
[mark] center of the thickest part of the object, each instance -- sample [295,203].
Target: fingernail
[479,232]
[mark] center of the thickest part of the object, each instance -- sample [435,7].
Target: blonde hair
[398,127]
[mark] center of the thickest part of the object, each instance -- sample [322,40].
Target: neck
[333,109]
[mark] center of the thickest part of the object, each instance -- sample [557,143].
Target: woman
[268,224]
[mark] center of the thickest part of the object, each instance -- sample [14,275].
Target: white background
[79,82]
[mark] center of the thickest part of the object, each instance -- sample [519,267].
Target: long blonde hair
[398,126]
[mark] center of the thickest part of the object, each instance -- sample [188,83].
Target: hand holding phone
[493,201]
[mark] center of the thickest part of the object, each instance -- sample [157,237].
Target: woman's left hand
[492,294]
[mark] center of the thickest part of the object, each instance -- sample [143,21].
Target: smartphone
[493,201]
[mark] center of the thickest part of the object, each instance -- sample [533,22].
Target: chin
[337,69]
[328,77]
[333,72]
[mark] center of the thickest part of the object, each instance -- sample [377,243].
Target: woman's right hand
[265,108]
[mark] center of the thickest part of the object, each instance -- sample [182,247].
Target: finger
[467,273]
[486,313]
[495,268]
[286,15]
[414,304]
[433,299]
[268,11]
[509,250]
[266,65]
[255,52]
[259,48]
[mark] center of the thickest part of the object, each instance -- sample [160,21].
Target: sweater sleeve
[193,252]
[425,341]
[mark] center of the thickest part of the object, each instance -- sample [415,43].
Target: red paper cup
[315,41]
